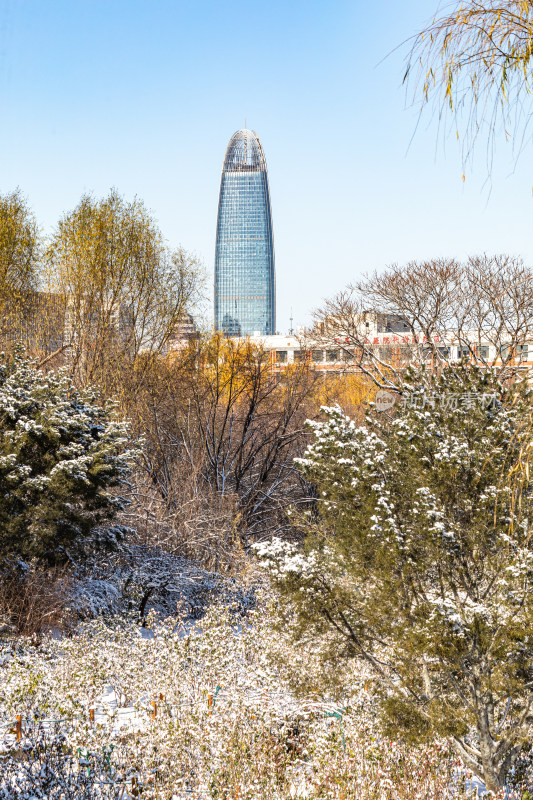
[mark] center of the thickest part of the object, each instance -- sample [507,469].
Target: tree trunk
[491,773]
[483,763]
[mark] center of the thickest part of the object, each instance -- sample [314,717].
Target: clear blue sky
[144,96]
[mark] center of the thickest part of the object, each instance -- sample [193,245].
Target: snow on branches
[422,560]
[63,459]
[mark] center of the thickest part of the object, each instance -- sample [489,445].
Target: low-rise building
[339,354]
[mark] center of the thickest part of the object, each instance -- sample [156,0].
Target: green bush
[63,462]
[419,560]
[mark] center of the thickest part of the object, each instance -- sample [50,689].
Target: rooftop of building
[244,153]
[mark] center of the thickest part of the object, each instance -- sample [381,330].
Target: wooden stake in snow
[91,716]
[18,728]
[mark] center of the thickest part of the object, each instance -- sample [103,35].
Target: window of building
[504,352]
[521,352]
[299,355]
[444,352]
[318,356]
[332,355]
[484,352]
[463,353]
[281,356]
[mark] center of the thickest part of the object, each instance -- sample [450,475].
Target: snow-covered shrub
[224,723]
[145,579]
[63,459]
[420,561]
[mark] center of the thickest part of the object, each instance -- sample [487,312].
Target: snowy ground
[197,706]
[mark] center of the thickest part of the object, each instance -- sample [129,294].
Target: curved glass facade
[245,295]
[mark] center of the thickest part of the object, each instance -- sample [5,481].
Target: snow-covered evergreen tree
[63,459]
[420,561]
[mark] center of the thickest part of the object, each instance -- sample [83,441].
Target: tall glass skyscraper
[245,293]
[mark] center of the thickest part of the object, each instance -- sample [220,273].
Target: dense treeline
[104,298]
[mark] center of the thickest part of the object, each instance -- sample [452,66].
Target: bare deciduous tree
[221,433]
[484,307]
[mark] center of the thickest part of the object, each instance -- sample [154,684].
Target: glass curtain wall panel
[245,300]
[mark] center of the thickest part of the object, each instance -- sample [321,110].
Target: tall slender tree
[20,253]
[126,292]
[19,246]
